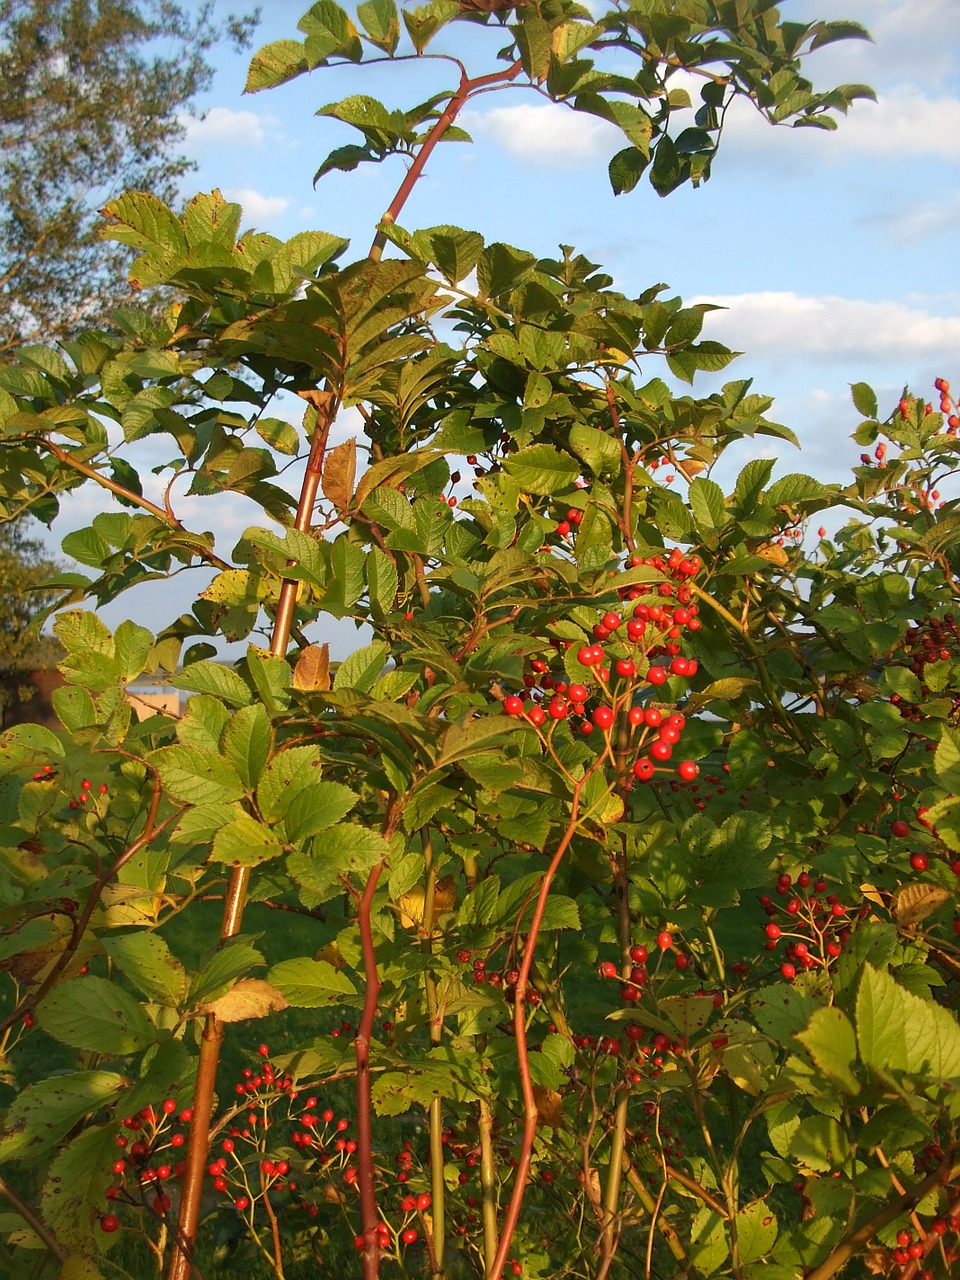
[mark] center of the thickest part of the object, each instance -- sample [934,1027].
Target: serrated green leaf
[246,843]
[831,1043]
[94,1014]
[311,984]
[42,1113]
[311,810]
[246,743]
[148,962]
[193,776]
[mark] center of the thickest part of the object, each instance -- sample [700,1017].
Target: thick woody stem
[236,895]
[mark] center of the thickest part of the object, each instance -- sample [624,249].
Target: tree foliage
[91,103]
[626,848]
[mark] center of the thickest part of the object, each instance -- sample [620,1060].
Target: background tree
[24,565]
[91,100]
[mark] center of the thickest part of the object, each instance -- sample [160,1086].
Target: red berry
[899,829]
[919,861]
[639,955]
[603,717]
[513,705]
[635,716]
[788,971]
[625,667]
[109,1222]
[578,693]
[657,675]
[664,940]
[409,1235]
[590,655]
[608,969]
[611,621]
[643,770]
[688,770]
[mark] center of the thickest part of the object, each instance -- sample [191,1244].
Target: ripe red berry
[688,770]
[590,655]
[657,676]
[919,861]
[109,1222]
[513,705]
[409,1235]
[639,955]
[635,716]
[608,969]
[788,971]
[611,621]
[899,829]
[664,940]
[643,770]
[603,717]
[625,667]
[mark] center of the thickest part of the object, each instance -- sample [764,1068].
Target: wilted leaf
[250,998]
[312,672]
[773,553]
[339,474]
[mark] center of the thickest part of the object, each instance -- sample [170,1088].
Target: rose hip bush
[627,844]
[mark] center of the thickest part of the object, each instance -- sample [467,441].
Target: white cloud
[224,125]
[902,122]
[259,208]
[547,133]
[783,326]
[914,39]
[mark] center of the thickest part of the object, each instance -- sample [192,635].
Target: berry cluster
[811,924]
[621,667]
[932,640]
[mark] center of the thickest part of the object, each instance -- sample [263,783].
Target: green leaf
[279,435]
[626,169]
[309,811]
[382,579]
[289,772]
[362,668]
[864,399]
[247,742]
[246,843]
[74,1190]
[234,959]
[830,1041]
[542,469]
[901,1032]
[424,22]
[820,1145]
[214,678]
[381,22]
[756,1231]
[708,505]
[599,450]
[501,268]
[946,761]
[329,31]
[149,964]
[96,1015]
[311,984]
[192,776]
[533,37]
[42,1113]
[344,849]
[132,645]
[274,64]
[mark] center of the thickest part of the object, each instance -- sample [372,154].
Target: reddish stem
[443,123]
[365,1165]
[531,1112]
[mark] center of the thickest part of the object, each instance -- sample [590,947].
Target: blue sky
[836,255]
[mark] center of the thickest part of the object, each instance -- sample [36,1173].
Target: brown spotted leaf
[340,473]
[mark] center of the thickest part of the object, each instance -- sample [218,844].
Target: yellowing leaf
[248,998]
[331,953]
[312,672]
[339,474]
[549,1106]
[914,902]
[691,467]
[772,552]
